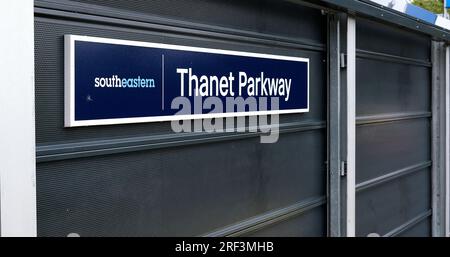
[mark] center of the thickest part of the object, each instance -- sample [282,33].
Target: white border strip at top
[69,106]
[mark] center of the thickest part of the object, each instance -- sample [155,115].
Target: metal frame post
[447,140]
[439,138]
[351,126]
[341,124]
[334,124]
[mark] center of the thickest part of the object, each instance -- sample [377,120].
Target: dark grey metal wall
[143,180]
[393,137]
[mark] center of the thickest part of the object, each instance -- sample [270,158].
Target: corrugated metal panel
[309,224]
[175,191]
[393,144]
[266,16]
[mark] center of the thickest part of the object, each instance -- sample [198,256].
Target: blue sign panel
[420,13]
[112,81]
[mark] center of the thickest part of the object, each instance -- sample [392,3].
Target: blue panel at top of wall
[421,13]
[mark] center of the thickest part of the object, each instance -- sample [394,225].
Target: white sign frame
[69,81]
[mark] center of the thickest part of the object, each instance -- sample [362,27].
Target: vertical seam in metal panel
[351,124]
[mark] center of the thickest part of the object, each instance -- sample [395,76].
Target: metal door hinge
[343,168]
[343,60]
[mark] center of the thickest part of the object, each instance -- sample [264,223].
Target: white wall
[17,130]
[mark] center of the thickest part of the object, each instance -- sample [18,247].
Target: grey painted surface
[140,179]
[266,16]
[308,224]
[178,191]
[185,190]
[439,138]
[334,128]
[393,156]
[401,144]
[387,206]
[420,229]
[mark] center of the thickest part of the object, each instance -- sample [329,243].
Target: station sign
[111,81]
